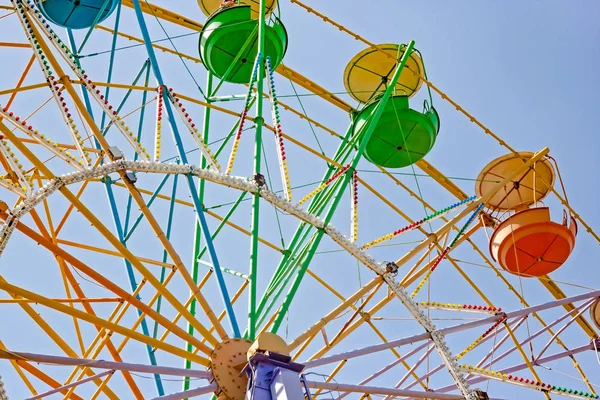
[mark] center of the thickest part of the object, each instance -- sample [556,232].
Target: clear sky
[526,69]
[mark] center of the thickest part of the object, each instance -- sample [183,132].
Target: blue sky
[527,70]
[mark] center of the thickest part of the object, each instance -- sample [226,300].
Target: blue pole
[139,136]
[132,281]
[131,276]
[129,232]
[112,58]
[146,67]
[84,93]
[189,177]
[165,254]
[98,15]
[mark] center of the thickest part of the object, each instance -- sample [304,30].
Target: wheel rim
[103,258]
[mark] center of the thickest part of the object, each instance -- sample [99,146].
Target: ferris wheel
[173,225]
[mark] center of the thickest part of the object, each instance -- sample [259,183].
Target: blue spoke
[189,177]
[117,222]
[146,66]
[131,276]
[165,254]
[112,54]
[152,198]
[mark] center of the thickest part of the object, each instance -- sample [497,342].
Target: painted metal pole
[562,328]
[117,222]
[284,274]
[426,376]
[367,350]
[301,233]
[413,368]
[373,120]
[293,243]
[259,121]
[446,331]
[113,45]
[99,13]
[285,269]
[315,207]
[554,357]
[84,93]
[118,366]
[215,233]
[189,178]
[165,256]
[387,367]
[552,304]
[520,367]
[497,358]
[139,218]
[334,313]
[130,274]
[189,393]
[70,385]
[381,391]
[224,221]
[499,343]
[197,228]
[145,68]
[139,137]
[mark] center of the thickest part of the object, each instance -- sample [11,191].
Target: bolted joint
[64,79]
[365,315]
[391,268]
[114,153]
[259,121]
[130,177]
[433,236]
[260,180]
[488,220]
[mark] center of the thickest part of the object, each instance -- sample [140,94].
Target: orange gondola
[527,243]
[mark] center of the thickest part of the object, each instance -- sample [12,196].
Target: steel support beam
[112,365]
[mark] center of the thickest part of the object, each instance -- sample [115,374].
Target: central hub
[231,356]
[227,361]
